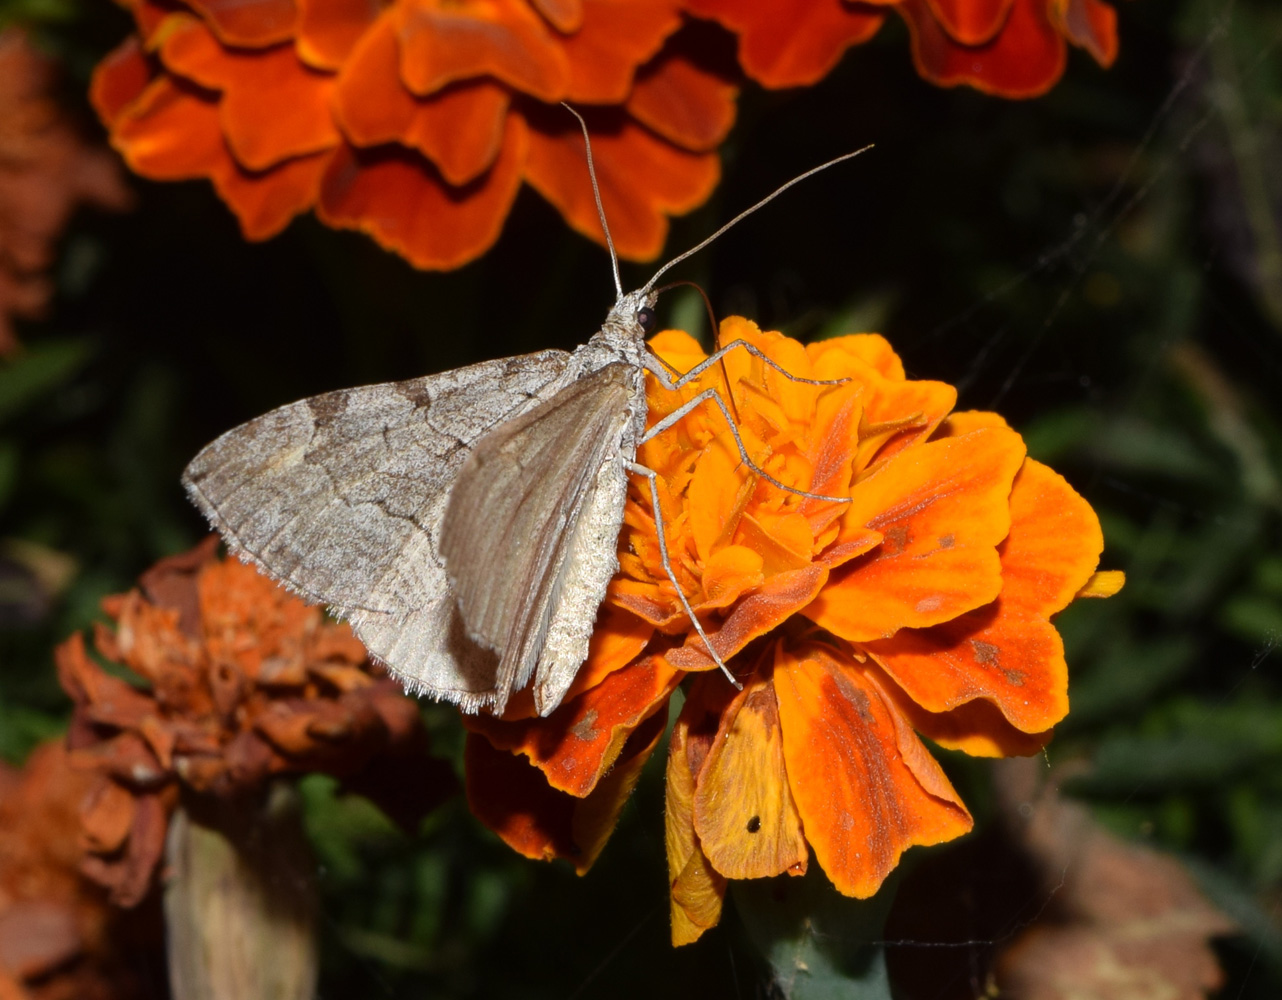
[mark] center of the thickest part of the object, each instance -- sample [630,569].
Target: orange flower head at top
[417,121]
[922,604]
[243,683]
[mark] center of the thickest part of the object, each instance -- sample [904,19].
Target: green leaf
[38,371]
[1126,677]
[820,945]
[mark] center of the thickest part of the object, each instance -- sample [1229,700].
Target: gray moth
[464,523]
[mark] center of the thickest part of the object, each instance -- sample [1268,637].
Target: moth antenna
[600,209]
[745,213]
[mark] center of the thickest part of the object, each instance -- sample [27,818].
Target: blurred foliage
[1103,265]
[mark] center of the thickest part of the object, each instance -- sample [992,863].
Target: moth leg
[653,476]
[712,394]
[708,362]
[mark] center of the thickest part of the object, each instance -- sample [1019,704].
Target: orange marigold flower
[417,121]
[47,171]
[1011,48]
[243,682]
[921,605]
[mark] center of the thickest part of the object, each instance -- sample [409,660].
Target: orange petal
[642,179]
[744,814]
[248,23]
[149,15]
[459,128]
[615,38]
[872,349]
[998,653]
[119,80]
[514,801]
[971,22]
[683,102]
[677,348]
[865,786]
[1054,543]
[400,200]
[171,132]
[942,507]
[729,573]
[443,41]
[1105,583]
[977,728]
[272,108]
[328,30]
[697,890]
[618,637]
[1090,25]
[791,45]
[777,600]
[265,202]
[564,15]
[577,743]
[964,421]
[1023,60]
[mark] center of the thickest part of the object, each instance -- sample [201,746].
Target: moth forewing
[530,531]
[340,497]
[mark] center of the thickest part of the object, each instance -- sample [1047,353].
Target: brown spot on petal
[932,603]
[985,652]
[946,541]
[586,729]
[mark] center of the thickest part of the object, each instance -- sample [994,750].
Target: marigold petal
[249,23]
[273,107]
[861,781]
[119,80]
[683,102]
[1090,25]
[564,15]
[780,597]
[1104,583]
[171,132]
[697,890]
[264,203]
[744,814]
[729,573]
[616,37]
[971,22]
[677,348]
[1023,60]
[715,499]
[400,200]
[443,42]
[942,507]
[642,179]
[577,743]
[999,653]
[977,728]
[618,638]
[791,45]
[459,128]
[964,421]
[107,816]
[510,797]
[872,349]
[1054,544]
[328,30]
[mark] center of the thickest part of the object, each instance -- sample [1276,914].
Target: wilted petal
[697,890]
[791,45]
[744,814]
[643,180]
[401,200]
[866,789]
[248,23]
[577,743]
[328,30]
[458,128]
[443,42]
[942,508]
[1023,60]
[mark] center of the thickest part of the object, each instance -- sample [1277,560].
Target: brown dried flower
[244,682]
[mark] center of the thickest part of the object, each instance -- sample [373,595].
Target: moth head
[633,315]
